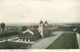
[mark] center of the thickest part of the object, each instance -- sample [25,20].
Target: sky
[32,11]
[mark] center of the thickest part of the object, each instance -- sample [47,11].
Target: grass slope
[66,41]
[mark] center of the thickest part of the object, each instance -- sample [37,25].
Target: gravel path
[44,43]
[8,39]
[78,39]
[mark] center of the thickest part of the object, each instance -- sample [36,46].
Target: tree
[24,28]
[2,27]
[36,35]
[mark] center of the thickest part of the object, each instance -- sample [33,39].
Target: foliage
[13,45]
[7,34]
[2,25]
[24,28]
[36,35]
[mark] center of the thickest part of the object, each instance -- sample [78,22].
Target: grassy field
[56,29]
[66,41]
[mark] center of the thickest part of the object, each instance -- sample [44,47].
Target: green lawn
[66,41]
[56,29]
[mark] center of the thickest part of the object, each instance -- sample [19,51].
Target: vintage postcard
[39,25]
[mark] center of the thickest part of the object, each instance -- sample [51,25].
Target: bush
[7,34]
[36,35]
[13,45]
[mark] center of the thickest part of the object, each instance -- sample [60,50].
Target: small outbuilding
[26,35]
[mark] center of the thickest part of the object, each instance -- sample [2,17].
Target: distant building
[43,28]
[35,32]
